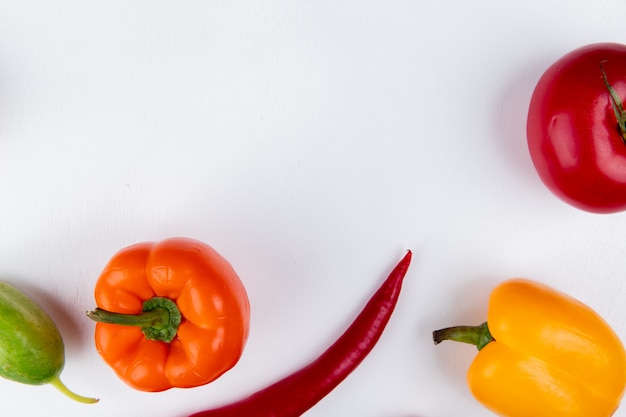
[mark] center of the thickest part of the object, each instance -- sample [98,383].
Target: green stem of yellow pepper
[479,336]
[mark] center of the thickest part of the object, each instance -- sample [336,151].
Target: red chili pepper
[298,392]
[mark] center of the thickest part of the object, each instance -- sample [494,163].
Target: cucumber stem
[56,382]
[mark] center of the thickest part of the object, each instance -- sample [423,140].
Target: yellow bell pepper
[542,354]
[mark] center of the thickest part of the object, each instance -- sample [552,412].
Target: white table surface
[311,143]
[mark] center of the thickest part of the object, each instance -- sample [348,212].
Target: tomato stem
[479,336]
[159,319]
[616,104]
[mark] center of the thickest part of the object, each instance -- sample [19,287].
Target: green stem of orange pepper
[479,336]
[159,319]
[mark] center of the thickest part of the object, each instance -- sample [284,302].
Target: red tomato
[574,137]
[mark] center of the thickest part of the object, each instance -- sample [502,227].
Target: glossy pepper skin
[212,302]
[543,354]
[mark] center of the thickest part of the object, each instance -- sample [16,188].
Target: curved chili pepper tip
[407,259]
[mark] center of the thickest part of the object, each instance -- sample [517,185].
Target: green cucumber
[31,346]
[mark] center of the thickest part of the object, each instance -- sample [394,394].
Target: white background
[311,143]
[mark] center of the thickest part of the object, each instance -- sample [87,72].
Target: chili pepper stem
[56,382]
[479,336]
[159,319]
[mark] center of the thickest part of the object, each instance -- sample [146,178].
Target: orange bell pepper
[542,354]
[170,314]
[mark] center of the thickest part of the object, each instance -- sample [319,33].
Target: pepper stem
[616,104]
[159,319]
[479,336]
[56,382]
